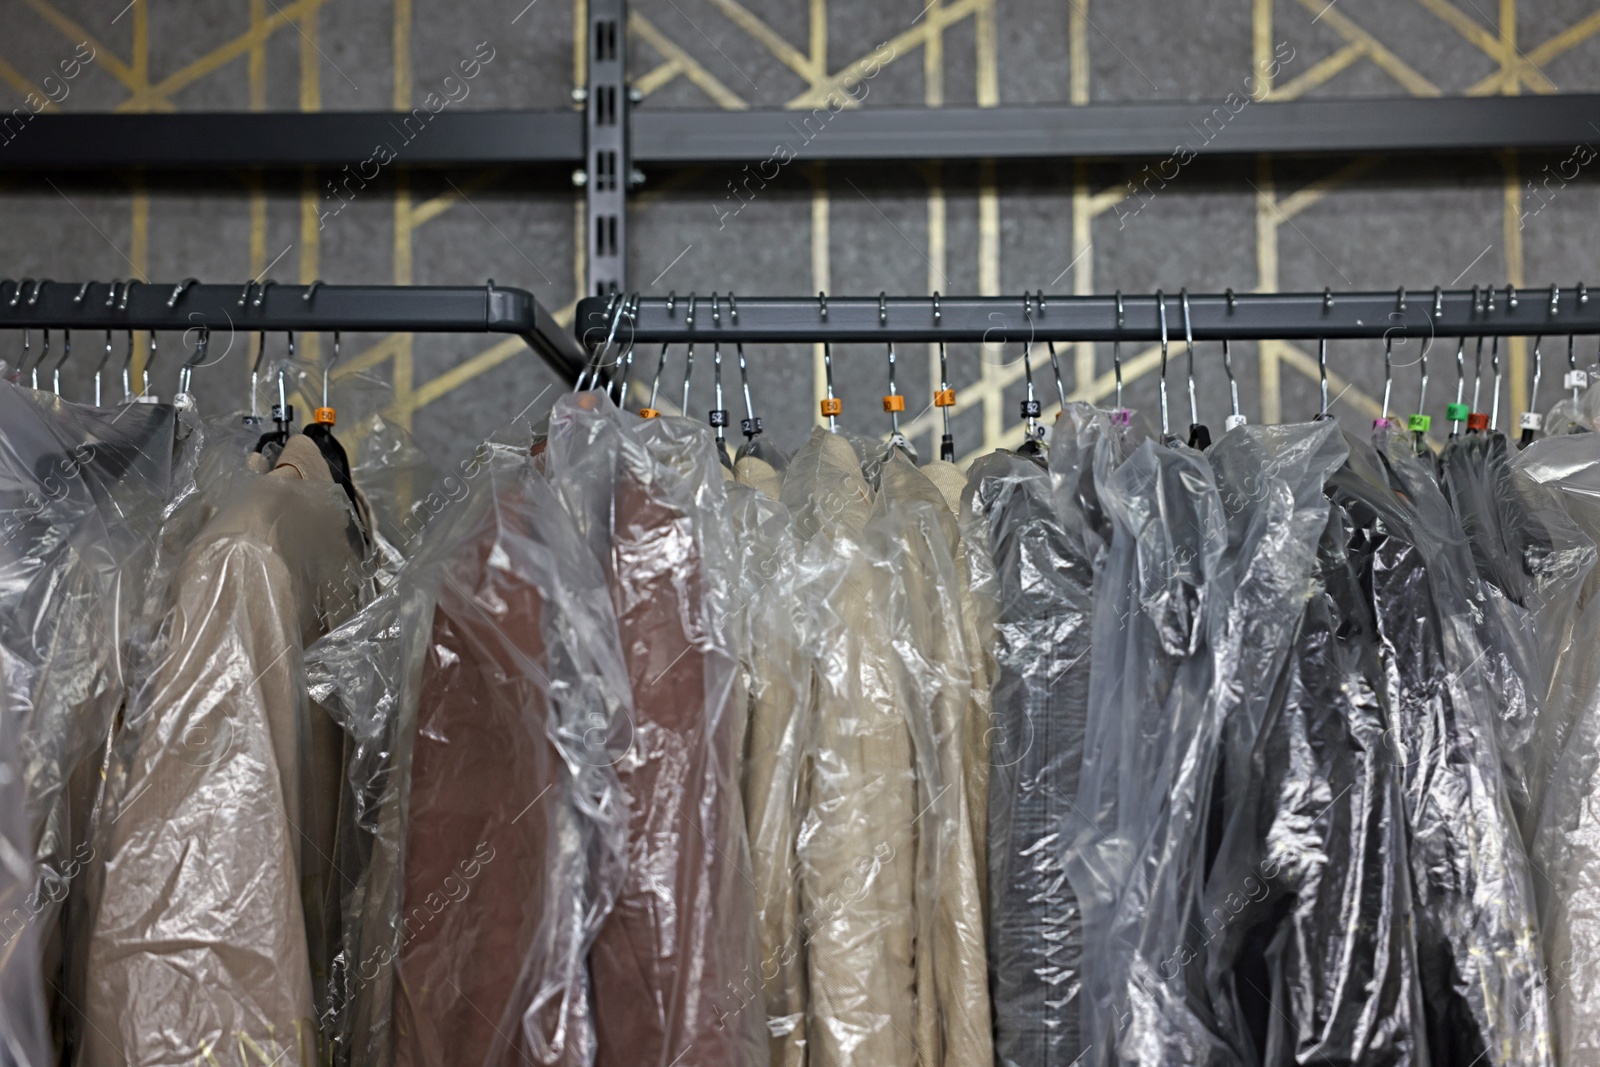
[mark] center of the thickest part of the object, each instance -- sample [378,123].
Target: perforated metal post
[608,169]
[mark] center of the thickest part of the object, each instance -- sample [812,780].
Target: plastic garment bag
[1566,848]
[856,847]
[1478,953]
[1305,921]
[777,683]
[81,488]
[1146,773]
[975,582]
[222,801]
[1043,576]
[671,960]
[482,690]
[1522,548]
[913,542]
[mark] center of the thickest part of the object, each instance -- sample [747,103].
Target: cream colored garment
[778,684]
[225,818]
[953,1028]
[856,851]
[978,616]
[759,474]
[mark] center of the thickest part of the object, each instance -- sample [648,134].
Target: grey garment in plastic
[1146,776]
[1306,919]
[1043,577]
[1478,953]
[1525,549]
[1566,848]
[482,691]
[220,815]
[81,491]
[671,961]
[777,683]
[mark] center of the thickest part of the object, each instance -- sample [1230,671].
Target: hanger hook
[1188,345]
[822,304]
[177,291]
[1234,417]
[883,308]
[84,288]
[1161,315]
[66,351]
[937,313]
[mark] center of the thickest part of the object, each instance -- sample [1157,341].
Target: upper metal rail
[663,138]
[301,308]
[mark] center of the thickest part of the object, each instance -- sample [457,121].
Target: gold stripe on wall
[1517,367]
[820,276]
[1268,353]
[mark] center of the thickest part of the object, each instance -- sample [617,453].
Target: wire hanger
[893,402]
[688,363]
[1322,358]
[1161,315]
[1388,364]
[625,362]
[1234,419]
[202,343]
[650,411]
[127,371]
[66,352]
[719,413]
[831,405]
[44,353]
[1575,379]
[1029,408]
[1531,421]
[1199,434]
[1419,422]
[1120,416]
[99,370]
[945,398]
[282,412]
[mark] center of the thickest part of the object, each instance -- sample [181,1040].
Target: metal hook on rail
[1161,314]
[1235,418]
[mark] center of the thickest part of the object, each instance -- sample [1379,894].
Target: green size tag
[1418,423]
[1456,412]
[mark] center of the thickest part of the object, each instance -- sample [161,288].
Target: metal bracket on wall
[609,167]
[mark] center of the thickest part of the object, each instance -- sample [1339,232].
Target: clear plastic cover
[777,684]
[1042,581]
[1566,849]
[223,787]
[1147,752]
[81,489]
[487,700]
[1478,951]
[648,496]
[914,543]
[1304,922]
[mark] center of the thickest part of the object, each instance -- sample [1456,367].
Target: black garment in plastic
[1478,953]
[1309,900]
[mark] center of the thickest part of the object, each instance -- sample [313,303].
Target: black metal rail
[1211,317]
[271,307]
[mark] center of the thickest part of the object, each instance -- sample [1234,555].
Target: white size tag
[1576,379]
[1531,420]
[1233,421]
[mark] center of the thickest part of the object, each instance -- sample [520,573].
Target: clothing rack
[723,317]
[272,308]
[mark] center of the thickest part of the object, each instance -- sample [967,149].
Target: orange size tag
[323,416]
[944,398]
[832,406]
[1478,421]
[894,402]
[649,413]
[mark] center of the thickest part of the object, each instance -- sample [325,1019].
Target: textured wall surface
[1370,223]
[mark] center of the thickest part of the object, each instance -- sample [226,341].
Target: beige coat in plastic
[222,830]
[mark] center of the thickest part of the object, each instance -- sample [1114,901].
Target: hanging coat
[1481,967]
[1305,919]
[671,963]
[777,683]
[1043,578]
[222,826]
[856,848]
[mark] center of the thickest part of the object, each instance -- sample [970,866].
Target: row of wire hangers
[625,308]
[118,297]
